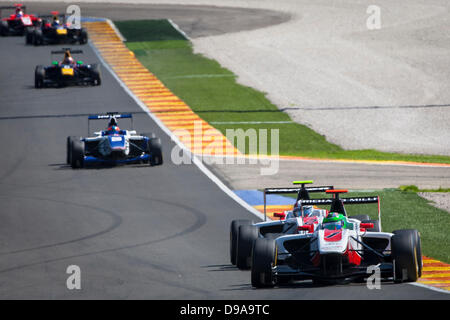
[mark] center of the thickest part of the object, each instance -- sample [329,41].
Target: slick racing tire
[39,76]
[234,231]
[149,135]
[246,237]
[96,75]
[38,37]
[83,38]
[29,35]
[360,217]
[406,255]
[376,225]
[4,27]
[155,148]
[77,154]
[69,148]
[264,255]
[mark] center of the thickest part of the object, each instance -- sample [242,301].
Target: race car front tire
[264,255]
[246,237]
[77,154]
[234,231]
[406,255]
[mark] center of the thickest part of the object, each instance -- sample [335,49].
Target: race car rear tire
[37,37]
[77,156]
[29,35]
[406,255]
[4,27]
[69,148]
[83,39]
[264,255]
[155,147]
[234,230]
[39,76]
[96,75]
[360,217]
[246,237]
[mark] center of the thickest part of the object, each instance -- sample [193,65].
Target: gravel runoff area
[385,89]
[440,200]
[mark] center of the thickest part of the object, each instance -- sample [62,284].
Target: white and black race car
[340,248]
[243,233]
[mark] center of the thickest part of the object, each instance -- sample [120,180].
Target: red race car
[16,24]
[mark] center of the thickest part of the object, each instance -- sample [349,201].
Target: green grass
[406,210]
[213,93]
[413,188]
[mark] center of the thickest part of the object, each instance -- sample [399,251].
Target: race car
[113,146]
[54,29]
[67,72]
[18,23]
[243,233]
[340,249]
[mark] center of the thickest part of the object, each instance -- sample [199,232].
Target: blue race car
[113,146]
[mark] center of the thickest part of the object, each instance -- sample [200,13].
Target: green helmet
[334,221]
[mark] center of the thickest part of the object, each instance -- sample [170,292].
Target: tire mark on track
[116,222]
[200,220]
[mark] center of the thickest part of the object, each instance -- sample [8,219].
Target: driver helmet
[307,210]
[55,21]
[335,217]
[113,129]
[68,57]
[19,13]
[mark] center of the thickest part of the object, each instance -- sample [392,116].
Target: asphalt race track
[135,231]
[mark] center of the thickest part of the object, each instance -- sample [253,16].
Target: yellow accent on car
[61,31]
[67,71]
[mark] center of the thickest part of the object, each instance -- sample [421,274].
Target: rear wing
[62,16]
[337,204]
[63,50]
[302,192]
[109,116]
[24,8]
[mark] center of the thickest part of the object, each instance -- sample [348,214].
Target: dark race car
[113,146]
[18,23]
[55,29]
[67,72]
